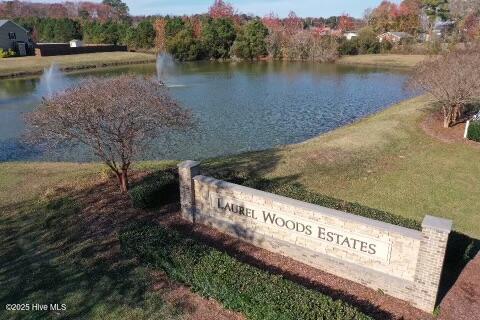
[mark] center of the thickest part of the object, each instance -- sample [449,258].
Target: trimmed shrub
[474,131]
[298,192]
[155,190]
[7,53]
[238,286]
[348,47]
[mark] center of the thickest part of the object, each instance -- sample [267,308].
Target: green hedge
[298,192]
[7,53]
[474,131]
[238,286]
[155,190]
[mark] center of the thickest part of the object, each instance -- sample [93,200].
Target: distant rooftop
[3,21]
[398,34]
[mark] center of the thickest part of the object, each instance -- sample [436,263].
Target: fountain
[52,81]
[165,66]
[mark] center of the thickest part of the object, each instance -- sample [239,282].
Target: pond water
[237,106]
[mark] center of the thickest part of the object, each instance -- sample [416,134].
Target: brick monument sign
[403,263]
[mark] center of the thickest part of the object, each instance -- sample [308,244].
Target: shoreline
[72,69]
[404,62]
[396,61]
[32,66]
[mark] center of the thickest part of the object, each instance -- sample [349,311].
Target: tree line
[420,16]
[138,35]
[222,37]
[104,11]
[223,33]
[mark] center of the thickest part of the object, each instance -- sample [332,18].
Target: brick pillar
[433,246]
[186,171]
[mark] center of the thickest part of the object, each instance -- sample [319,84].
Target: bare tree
[462,8]
[324,48]
[453,79]
[117,118]
[307,45]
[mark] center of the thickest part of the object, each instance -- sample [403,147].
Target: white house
[442,28]
[349,35]
[393,37]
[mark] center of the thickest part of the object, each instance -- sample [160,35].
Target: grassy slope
[386,162]
[22,182]
[26,181]
[37,64]
[383,60]
[51,254]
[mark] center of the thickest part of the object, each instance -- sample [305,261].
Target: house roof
[397,34]
[444,23]
[3,22]
[400,34]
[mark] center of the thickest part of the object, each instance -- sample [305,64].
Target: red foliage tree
[389,16]
[409,12]
[293,23]
[272,22]
[382,17]
[197,27]
[57,11]
[23,9]
[221,9]
[471,26]
[160,38]
[346,22]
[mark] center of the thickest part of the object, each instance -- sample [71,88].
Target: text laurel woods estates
[329,235]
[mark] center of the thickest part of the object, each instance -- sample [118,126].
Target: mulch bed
[369,301]
[432,125]
[462,302]
[194,306]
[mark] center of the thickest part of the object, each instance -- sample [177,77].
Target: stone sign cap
[439,224]
[188,164]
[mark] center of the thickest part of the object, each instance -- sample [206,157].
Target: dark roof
[3,22]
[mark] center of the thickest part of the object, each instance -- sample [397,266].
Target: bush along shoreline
[474,131]
[238,286]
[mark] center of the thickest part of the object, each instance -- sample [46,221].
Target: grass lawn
[57,246]
[383,60]
[35,64]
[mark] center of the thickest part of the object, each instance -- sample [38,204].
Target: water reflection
[238,106]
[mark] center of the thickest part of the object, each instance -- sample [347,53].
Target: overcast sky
[303,8]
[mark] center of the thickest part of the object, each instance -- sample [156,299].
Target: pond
[237,106]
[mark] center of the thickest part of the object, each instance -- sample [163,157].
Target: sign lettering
[329,236]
